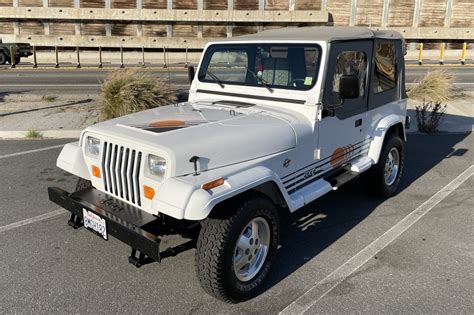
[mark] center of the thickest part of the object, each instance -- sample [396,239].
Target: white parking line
[31,151]
[38,218]
[323,287]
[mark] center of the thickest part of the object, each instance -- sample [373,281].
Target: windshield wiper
[234,103]
[261,80]
[215,78]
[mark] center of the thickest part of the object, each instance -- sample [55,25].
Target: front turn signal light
[148,192]
[96,171]
[213,184]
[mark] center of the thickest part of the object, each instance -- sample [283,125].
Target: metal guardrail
[463,54]
[442,49]
[12,56]
[57,64]
[166,63]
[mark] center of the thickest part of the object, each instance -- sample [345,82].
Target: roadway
[322,264]
[71,81]
[88,81]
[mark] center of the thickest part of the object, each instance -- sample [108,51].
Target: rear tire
[235,252]
[385,176]
[3,58]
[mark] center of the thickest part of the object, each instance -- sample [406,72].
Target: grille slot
[121,168]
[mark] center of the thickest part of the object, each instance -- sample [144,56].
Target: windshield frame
[232,46]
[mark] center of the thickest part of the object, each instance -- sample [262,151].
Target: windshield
[281,66]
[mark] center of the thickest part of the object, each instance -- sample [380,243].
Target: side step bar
[330,180]
[340,178]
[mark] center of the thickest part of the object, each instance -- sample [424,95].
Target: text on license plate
[95,223]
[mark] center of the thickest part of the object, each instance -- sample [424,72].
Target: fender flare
[201,202]
[72,160]
[379,133]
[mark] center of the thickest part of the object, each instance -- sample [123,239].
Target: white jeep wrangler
[273,122]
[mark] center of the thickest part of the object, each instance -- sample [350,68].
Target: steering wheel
[295,83]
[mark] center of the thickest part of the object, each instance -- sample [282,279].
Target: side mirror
[348,87]
[191,74]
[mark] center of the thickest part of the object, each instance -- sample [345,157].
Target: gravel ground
[459,114]
[48,112]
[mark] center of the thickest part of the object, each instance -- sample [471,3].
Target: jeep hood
[218,135]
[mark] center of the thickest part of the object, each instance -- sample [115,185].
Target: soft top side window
[385,71]
[351,63]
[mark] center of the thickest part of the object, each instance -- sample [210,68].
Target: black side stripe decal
[319,171]
[323,162]
[293,190]
[342,157]
[265,98]
[302,180]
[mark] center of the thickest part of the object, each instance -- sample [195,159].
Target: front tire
[235,252]
[385,176]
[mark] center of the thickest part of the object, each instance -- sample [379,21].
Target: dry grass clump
[33,134]
[48,98]
[436,86]
[128,91]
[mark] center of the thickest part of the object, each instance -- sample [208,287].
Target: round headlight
[157,166]
[93,146]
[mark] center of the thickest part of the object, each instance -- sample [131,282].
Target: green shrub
[128,91]
[428,116]
[436,86]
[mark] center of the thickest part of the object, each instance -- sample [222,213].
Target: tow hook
[75,221]
[136,258]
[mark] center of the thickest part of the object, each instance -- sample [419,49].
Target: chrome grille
[121,168]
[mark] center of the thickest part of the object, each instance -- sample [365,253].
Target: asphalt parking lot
[47,267]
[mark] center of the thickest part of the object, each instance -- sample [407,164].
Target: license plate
[94,223]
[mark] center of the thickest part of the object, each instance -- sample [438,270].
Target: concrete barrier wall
[191,23]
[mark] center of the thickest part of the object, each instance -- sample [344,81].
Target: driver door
[342,132]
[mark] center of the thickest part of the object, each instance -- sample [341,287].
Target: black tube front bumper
[129,224]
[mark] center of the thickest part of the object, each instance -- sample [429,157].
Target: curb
[49,134]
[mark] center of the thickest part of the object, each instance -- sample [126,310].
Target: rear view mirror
[348,87]
[279,52]
[190,74]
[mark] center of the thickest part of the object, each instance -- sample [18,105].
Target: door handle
[358,122]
